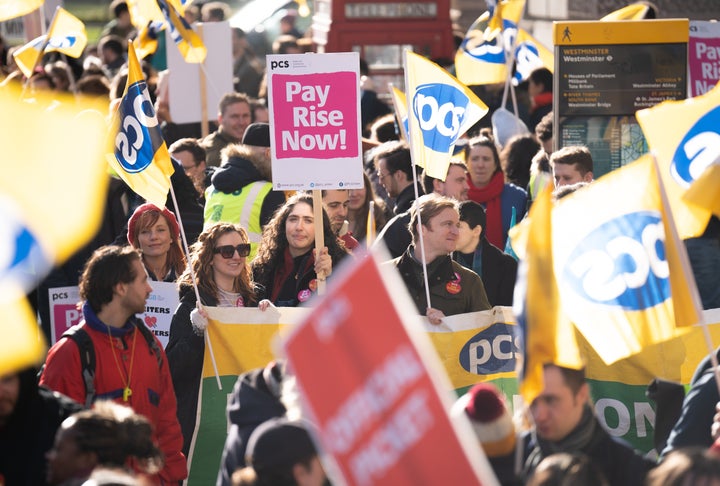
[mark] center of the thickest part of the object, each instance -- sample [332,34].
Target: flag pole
[319,235]
[193,278]
[415,182]
[44,45]
[685,263]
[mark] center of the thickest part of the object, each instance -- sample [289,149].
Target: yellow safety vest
[240,207]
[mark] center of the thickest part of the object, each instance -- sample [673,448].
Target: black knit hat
[257,135]
[279,444]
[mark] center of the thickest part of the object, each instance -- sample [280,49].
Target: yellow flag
[483,55]
[140,156]
[45,224]
[548,336]
[66,34]
[685,136]
[401,110]
[705,191]
[9,9]
[440,110]
[24,344]
[142,12]
[634,11]
[189,43]
[146,42]
[530,54]
[622,271]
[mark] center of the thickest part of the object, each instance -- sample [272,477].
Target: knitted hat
[257,135]
[485,406]
[278,444]
[135,219]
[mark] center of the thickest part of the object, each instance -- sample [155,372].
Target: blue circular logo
[699,148]
[621,263]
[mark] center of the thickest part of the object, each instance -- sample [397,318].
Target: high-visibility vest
[239,207]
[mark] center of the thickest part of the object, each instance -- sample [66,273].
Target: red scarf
[489,196]
[542,99]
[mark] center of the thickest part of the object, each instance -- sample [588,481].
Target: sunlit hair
[274,241]
[114,433]
[686,466]
[107,267]
[175,256]
[427,207]
[201,257]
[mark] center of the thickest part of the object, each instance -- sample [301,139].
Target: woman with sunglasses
[219,261]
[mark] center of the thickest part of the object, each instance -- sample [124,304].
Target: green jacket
[453,288]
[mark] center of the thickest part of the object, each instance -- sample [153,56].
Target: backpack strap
[87,359]
[152,342]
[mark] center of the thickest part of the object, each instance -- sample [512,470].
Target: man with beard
[130,366]
[336,204]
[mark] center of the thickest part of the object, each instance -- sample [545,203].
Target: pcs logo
[621,263]
[22,258]
[138,138]
[279,64]
[492,350]
[698,149]
[440,111]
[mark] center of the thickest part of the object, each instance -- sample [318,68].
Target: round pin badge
[304,295]
[453,287]
[313,285]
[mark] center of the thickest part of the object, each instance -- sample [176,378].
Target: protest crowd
[109,403]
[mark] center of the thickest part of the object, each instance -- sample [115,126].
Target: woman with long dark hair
[286,268]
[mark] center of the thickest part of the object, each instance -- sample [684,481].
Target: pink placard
[315,115]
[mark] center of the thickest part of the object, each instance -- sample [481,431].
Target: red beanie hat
[485,406]
[135,218]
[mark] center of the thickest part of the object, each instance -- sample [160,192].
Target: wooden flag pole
[319,235]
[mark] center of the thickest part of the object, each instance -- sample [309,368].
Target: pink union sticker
[315,115]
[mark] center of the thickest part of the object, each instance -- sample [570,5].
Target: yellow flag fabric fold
[631,12]
[140,155]
[44,224]
[548,335]
[705,191]
[530,54]
[189,43]
[64,208]
[24,344]
[685,137]
[440,110]
[622,271]
[9,9]
[401,110]
[66,35]
[483,55]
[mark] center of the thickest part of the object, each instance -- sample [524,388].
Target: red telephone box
[381,30]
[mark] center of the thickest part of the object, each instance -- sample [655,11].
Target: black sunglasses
[227,251]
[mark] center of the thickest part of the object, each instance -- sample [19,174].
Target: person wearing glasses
[222,273]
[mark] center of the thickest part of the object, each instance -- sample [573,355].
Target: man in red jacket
[129,368]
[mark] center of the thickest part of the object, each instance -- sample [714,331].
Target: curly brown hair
[274,242]
[201,256]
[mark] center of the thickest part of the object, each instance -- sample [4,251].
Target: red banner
[375,391]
